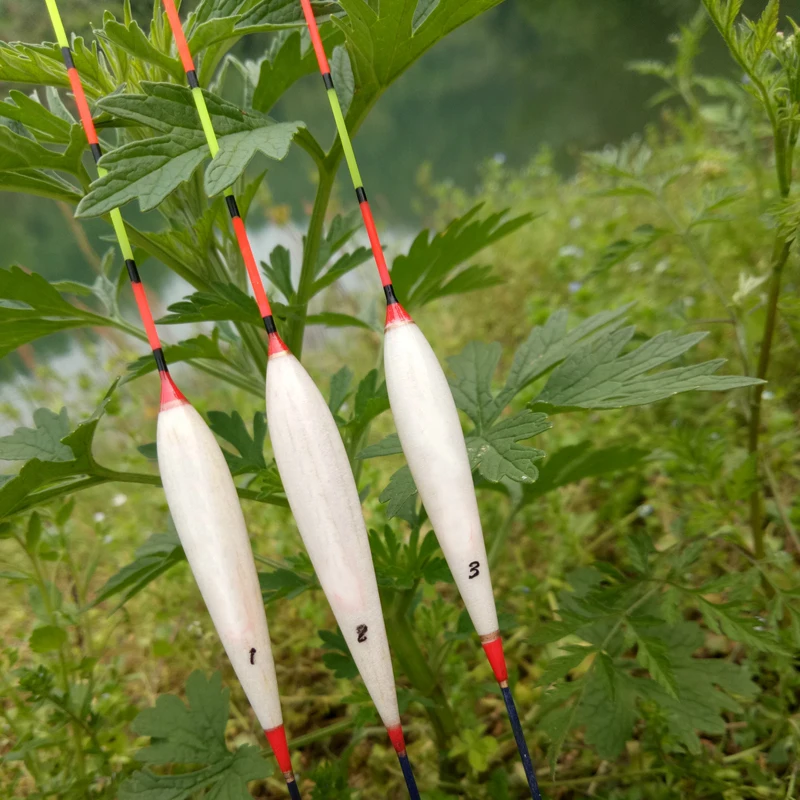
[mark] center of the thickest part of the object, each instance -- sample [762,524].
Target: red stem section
[251,266]
[375,242]
[146,315]
[83,106]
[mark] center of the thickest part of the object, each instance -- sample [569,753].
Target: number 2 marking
[474,569]
[361,630]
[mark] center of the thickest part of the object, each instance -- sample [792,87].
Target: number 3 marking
[474,569]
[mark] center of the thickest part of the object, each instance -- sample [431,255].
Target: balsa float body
[430,435]
[202,498]
[316,476]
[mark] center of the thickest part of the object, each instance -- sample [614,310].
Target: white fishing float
[202,499]
[431,437]
[316,476]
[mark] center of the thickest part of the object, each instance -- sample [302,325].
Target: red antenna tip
[171,395]
[494,652]
[396,315]
[398,741]
[277,741]
[277,347]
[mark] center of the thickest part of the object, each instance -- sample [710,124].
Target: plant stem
[416,668]
[780,254]
[327,175]
[499,540]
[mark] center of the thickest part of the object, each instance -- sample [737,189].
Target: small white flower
[747,285]
[108,538]
[645,510]
[662,266]
[768,395]
[499,158]
[99,516]
[574,286]
[635,266]
[576,222]
[119,500]
[571,251]
[689,301]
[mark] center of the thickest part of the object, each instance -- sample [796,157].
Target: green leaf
[30,308]
[389,446]
[43,123]
[289,58]
[653,653]
[332,319]
[237,149]
[430,269]
[551,343]
[597,375]
[39,183]
[21,153]
[34,532]
[272,15]
[288,582]
[724,618]
[20,492]
[157,555]
[151,169]
[497,454]
[199,347]
[340,389]
[228,302]
[337,658]
[474,368]
[279,271]
[581,461]
[371,400]
[231,428]
[383,42]
[42,442]
[400,494]
[422,12]
[47,638]
[132,39]
[560,667]
[342,74]
[343,265]
[193,734]
[607,709]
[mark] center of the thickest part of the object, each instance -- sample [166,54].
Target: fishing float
[202,497]
[316,476]
[431,437]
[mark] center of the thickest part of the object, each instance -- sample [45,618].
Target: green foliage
[192,733]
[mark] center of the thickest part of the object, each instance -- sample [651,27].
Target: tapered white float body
[208,517]
[433,443]
[322,493]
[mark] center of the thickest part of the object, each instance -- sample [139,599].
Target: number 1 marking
[252,655]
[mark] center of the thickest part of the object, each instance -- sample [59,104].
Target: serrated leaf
[133,40]
[279,271]
[471,385]
[371,399]
[23,153]
[332,319]
[607,709]
[497,454]
[599,375]
[42,122]
[340,388]
[654,655]
[227,302]
[430,269]
[237,149]
[20,492]
[272,15]
[581,461]
[152,168]
[193,734]
[30,308]
[231,428]
[400,495]
[342,74]
[198,347]
[343,265]
[338,658]
[157,555]
[47,638]
[389,446]
[42,442]
[560,666]
[289,582]
[724,618]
